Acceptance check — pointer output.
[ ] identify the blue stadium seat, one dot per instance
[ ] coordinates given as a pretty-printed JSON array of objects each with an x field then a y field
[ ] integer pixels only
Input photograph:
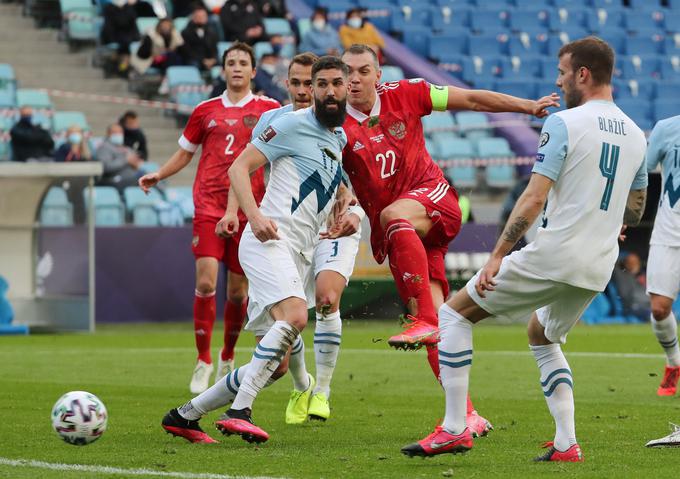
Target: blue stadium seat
[
  {"x": 523, "y": 88},
  {"x": 674, "y": 4},
  {"x": 277, "y": 26},
  {"x": 557, "y": 40},
  {"x": 597, "y": 311},
  {"x": 497, "y": 176},
  {"x": 454, "y": 64},
  {"x": 525, "y": 44},
  {"x": 643, "y": 89},
  {"x": 403, "y": 18},
  {"x": 548, "y": 68},
  {"x": 108, "y": 207},
  {"x": 615, "y": 38},
  {"x": 670, "y": 67},
  {"x": 8, "y": 81},
  {"x": 180, "y": 23},
  {"x": 143, "y": 206},
  {"x": 304, "y": 25},
  {"x": 570, "y": 4},
  {"x": 671, "y": 45},
  {"x": 221, "y": 48},
  {"x": 562, "y": 18},
  {"x": 644, "y": 45},
  {"x": 645, "y": 5},
  {"x": 533, "y": 4},
  {"x": 492, "y": 21},
  {"x": 8, "y": 101},
  {"x": 473, "y": 124},
  {"x": 608, "y": 4},
  {"x": 186, "y": 83},
  {"x": 480, "y": 69},
  {"x": 5, "y": 148},
  {"x": 486, "y": 45},
  {"x": 438, "y": 121},
  {"x": 639, "y": 67},
  {"x": 450, "y": 18},
  {"x": 638, "y": 110},
  {"x": 604, "y": 19},
  {"x": 182, "y": 196},
  {"x": 379, "y": 12},
  {"x": 38, "y": 99},
  {"x": 666, "y": 108},
  {"x": 146, "y": 23},
  {"x": 547, "y": 87},
  {"x": 63, "y": 120},
  {"x": 636, "y": 21},
  {"x": 416, "y": 38},
  {"x": 79, "y": 16},
  {"x": 442, "y": 47},
  {"x": 454, "y": 3},
  {"x": 56, "y": 210},
  {"x": 666, "y": 89},
  {"x": 526, "y": 20},
  {"x": 391, "y": 73},
  {"x": 671, "y": 21},
  {"x": 461, "y": 149},
  {"x": 520, "y": 68}
]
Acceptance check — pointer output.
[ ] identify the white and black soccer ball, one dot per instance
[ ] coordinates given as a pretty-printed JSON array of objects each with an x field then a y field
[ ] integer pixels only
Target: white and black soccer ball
[{"x": 79, "y": 418}]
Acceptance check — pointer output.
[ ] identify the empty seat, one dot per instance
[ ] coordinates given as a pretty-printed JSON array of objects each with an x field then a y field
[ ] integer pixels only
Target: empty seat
[
  {"x": 666, "y": 108},
  {"x": 442, "y": 47},
  {"x": 277, "y": 26},
  {"x": 637, "y": 109},
  {"x": 615, "y": 38},
  {"x": 667, "y": 89},
  {"x": 671, "y": 21},
  {"x": 409, "y": 17},
  {"x": 644, "y": 45},
  {"x": 519, "y": 87},
  {"x": 497, "y": 176},
  {"x": 108, "y": 207},
  {"x": 477, "y": 69},
  {"x": 486, "y": 45},
  {"x": 489, "y": 20},
  {"x": 671, "y": 44},
  {"x": 38, "y": 99},
  {"x": 180, "y": 23},
  {"x": 182, "y": 196},
  {"x": 63, "y": 120},
  {"x": 642, "y": 88},
  {"x": 637, "y": 66},
  {"x": 416, "y": 37},
  {"x": 143, "y": 206},
  {"x": 563, "y": 18},
  {"x": 525, "y": 44},
  {"x": 518, "y": 68},
  {"x": 670, "y": 67},
  {"x": 391, "y": 73},
  {"x": 493, "y": 148},
  {"x": 56, "y": 210},
  {"x": 448, "y": 18},
  {"x": 146, "y": 23},
  {"x": 464, "y": 175},
  {"x": 438, "y": 121},
  {"x": 557, "y": 40},
  {"x": 608, "y": 4},
  {"x": 524, "y": 19},
  {"x": 636, "y": 21},
  {"x": 604, "y": 19},
  {"x": 645, "y": 5},
  {"x": 473, "y": 124}
]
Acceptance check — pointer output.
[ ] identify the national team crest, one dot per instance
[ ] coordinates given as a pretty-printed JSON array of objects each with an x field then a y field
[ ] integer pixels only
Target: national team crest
[
  {"x": 250, "y": 120},
  {"x": 194, "y": 241},
  {"x": 398, "y": 130}
]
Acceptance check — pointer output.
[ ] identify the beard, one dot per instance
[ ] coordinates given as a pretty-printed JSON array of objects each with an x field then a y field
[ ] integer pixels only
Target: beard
[
  {"x": 573, "y": 97},
  {"x": 329, "y": 118}
]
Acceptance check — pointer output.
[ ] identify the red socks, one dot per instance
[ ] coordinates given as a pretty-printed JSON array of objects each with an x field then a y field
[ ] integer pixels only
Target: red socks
[
  {"x": 433, "y": 359},
  {"x": 408, "y": 262},
  {"x": 204, "y": 318},
  {"x": 234, "y": 315}
]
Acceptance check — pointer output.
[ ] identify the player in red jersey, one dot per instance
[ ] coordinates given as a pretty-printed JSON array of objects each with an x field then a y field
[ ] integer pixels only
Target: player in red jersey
[
  {"x": 413, "y": 211},
  {"x": 222, "y": 126}
]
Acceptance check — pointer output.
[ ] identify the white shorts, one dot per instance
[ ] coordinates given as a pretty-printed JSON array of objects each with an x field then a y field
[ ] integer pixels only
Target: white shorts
[
  {"x": 337, "y": 255},
  {"x": 663, "y": 270},
  {"x": 275, "y": 272},
  {"x": 519, "y": 293}
]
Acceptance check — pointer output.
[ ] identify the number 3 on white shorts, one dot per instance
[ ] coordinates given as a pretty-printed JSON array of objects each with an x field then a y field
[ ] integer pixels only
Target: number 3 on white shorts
[{"x": 390, "y": 158}]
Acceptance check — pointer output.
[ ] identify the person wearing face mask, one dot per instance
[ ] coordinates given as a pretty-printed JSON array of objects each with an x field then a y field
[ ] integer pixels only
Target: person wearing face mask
[
  {"x": 121, "y": 164},
  {"x": 358, "y": 30},
  {"x": 29, "y": 140},
  {"x": 200, "y": 41},
  {"x": 266, "y": 81},
  {"x": 321, "y": 39},
  {"x": 75, "y": 148},
  {"x": 134, "y": 136},
  {"x": 120, "y": 27},
  {"x": 158, "y": 48}
]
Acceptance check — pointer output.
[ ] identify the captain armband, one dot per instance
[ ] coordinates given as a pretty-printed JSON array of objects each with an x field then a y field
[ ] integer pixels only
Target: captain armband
[{"x": 439, "y": 96}]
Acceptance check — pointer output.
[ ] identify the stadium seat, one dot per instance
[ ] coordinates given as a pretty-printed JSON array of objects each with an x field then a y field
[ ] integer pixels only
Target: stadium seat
[
  {"x": 442, "y": 47},
  {"x": 277, "y": 26},
  {"x": 517, "y": 68},
  {"x": 608, "y": 4},
  {"x": 674, "y": 4},
  {"x": 409, "y": 17},
  {"x": 5, "y": 148},
  {"x": 666, "y": 108},
  {"x": 262, "y": 48},
  {"x": 391, "y": 73},
  {"x": 180, "y": 23},
  {"x": 645, "y": 5},
  {"x": 604, "y": 19},
  {"x": 56, "y": 210},
  {"x": 644, "y": 45},
  {"x": 642, "y": 88},
  {"x": 143, "y": 206},
  {"x": 146, "y": 23},
  {"x": 8, "y": 81},
  {"x": 438, "y": 121},
  {"x": 486, "y": 45},
  {"x": 416, "y": 38},
  {"x": 8, "y": 101},
  {"x": 449, "y": 18},
  {"x": 480, "y": 70},
  {"x": 221, "y": 48},
  {"x": 667, "y": 89},
  {"x": 79, "y": 17},
  {"x": 637, "y": 21},
  {"x": 519, "y": 87},
  {"x": 549, "y": 68},
  {"x": 636, "y": 66},
  {"x": 562, "y": 18},
  {"x": 491, "y": 21},
  {"x": 182, "y": 196},
  {"x": 493, "y": 148},
  {"x": 63, "y": 120},
  {"x": 473, "y": 124},
  {"x": 557, "y": 40},
  {"x": 638, "y": 110},
  {"x": 671, "y": 21},
  {"x": 37, "y": 99},
  {"x": 615, "y": 38},
  {"x": 186, "y": 85},
  {"x": 597, "y": 310},
  {"x": 529, "y": 20},
  {"x": 497, "y": 176},
  {"x": 459, "y": 148},
  {"x": 670, "y": 67},
  {"x": 671, "y": 44},
  {"x": 525, "y": 45},
  {"x": 304, "y": 25},
  {"x": 108, "y": 207}
]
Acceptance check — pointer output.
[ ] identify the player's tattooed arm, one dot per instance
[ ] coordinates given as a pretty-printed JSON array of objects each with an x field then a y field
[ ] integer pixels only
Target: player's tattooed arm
[
  {"x": 635, "y": 207},
  {"x": 515, "y": 230}
]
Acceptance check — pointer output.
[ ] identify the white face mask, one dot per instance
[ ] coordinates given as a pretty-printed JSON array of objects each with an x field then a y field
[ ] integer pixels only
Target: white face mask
[
  {"x": 319, "y": 24},
  {"x": 269, "y": 68},
  {"x": 116, "y": 139},
  {"x": 354, "y": 22}
]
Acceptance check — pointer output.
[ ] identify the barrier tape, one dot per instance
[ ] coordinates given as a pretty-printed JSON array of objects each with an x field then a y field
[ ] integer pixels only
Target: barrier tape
[
  {"x": 482, "y": 162},
  {"x": 367, "y": 13},
  {"x": 120, "y": 100}
]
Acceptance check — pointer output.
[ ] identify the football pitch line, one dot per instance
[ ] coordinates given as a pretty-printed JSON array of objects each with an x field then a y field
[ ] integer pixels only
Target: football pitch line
[{"x": 57, "y": 466}]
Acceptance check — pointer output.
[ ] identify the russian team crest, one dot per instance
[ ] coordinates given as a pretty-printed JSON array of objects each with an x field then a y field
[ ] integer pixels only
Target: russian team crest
[
  {"x": 398, "y": 130},
  {"x": 250, "y": 120}
]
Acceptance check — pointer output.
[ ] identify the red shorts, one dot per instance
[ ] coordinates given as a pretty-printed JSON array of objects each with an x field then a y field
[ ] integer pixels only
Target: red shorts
[
  {"x": 441, "y": 203},
  {"x": 206, "y": 243}
]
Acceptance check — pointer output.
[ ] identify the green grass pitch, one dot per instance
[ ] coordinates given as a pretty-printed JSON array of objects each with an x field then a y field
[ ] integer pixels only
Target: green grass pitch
[{"x": 382, "y": 399}]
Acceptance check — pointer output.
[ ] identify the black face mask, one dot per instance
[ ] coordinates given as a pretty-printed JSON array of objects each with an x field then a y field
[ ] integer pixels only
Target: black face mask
[{"x": 327, "y": 118}]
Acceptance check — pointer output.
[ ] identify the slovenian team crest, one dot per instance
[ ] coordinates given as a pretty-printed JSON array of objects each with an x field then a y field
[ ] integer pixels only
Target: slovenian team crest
[
  {"x": 250, "y": 120},
  {"x": 398, "y": 130}
]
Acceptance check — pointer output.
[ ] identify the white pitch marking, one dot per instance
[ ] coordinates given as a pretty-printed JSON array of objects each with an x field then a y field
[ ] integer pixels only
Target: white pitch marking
[{"x": 56, "y": 466}]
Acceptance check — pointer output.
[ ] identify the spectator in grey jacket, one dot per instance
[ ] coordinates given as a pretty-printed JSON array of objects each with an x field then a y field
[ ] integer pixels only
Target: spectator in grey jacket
[{"x": 121, "y": 163}]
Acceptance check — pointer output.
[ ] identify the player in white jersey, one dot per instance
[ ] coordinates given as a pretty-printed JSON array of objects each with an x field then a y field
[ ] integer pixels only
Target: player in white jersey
[
  {"x": 663, "y": 264},
  {"x": 333, "y": 265},
  {"x": 276, "y": 250},
  {"x": 590, "y": 168}
]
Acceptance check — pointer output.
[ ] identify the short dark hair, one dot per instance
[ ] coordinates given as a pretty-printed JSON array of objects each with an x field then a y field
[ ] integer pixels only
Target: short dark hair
[
  {"x": 329, "y": 62},
  {"x": 244, "y": 47},
  {"x": 128, "y": 115},
  {"x": 320, "y": 11},
  {"x": 594, "y": 54},
  {"x": 305, "y": 59},
  {"x": 360, "y": 49},
  {"x": 352, "y": 11},
  {"x": 198, "y": 6}
]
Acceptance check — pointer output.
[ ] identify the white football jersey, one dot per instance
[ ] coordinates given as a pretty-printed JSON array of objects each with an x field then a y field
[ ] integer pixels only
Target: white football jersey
[
  {"x": 664, "y": 148},
  {"x": 595, "y": 155}
]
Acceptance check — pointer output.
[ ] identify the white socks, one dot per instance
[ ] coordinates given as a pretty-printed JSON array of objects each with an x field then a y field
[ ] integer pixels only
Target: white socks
[
  {"x": 455, "y": 357},
  {"x": 666, "y": 332},
  {"x": 266, "y": 358},
  {"x": 297, "y": 367},
  {"x": 218, "y": 395},
  {"x": 327, "y": 337},
  {"x": 557, "y": 384}
]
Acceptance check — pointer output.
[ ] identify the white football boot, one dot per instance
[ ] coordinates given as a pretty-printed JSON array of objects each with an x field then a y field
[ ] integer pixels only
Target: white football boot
[{"x": 201, "y": 377}]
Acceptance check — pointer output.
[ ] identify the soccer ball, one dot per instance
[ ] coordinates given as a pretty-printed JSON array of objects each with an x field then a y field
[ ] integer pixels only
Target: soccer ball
[{"x": 79, "y": 417}]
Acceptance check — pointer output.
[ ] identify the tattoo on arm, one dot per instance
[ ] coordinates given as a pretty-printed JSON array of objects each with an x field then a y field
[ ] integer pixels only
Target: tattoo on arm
[
  {"x": 635, "y": 206},
  {"x": 515, "y": 230}
]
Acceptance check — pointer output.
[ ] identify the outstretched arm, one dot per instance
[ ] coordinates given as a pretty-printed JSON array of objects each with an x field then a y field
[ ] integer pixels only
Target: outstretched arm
[
  {"x": 177, "y": 161},
  {"x": 490, "y": 101}
]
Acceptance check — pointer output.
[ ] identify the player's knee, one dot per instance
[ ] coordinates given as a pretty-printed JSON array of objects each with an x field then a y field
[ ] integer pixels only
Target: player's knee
[
  {"x": 237, "y": 295},
  {"x": 389, "y": 214},
  {"x": 298, "y": 319},
  {"x": 205, "y": 286},
  {"x": 660, "y": 311},
  {"x": 326, "y": 300}
]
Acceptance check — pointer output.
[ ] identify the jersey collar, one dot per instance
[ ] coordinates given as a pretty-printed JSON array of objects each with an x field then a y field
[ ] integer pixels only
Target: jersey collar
[
  {"x": 360, "y": 116},
  {"x": 228, "y": 104}
]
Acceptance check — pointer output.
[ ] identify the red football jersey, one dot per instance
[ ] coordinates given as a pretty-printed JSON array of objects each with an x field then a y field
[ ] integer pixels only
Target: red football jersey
[
  {"x": 223, "y": 130},
  {"x": 385, "y": 156}
]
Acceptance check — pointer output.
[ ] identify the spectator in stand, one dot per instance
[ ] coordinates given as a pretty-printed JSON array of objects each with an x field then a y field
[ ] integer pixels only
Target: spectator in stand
[
  {"x": 274, "y": 9},
  {"x": 182, "y": 8},
  {"x": 30, "y": 141},
  {"x": 120, "y": 26},
  {"x": 359, "y": 30},
  {"x": 121, "y": 163},
  {"x": 242, "y": 20},
  {"x": 321, "y": 39},
  {"x": 75, "y": 147},
  {"x": 266, "y": 79},
  {"x": 133, "y": 136},
  {"x": 200, "y": 41},
  {"x": 158, "y": 48}
]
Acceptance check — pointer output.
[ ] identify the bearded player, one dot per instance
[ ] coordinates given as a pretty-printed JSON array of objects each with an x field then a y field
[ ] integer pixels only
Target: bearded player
[
  {"x": 222, "y": 126},
  {"x": 412, "y": 209}
]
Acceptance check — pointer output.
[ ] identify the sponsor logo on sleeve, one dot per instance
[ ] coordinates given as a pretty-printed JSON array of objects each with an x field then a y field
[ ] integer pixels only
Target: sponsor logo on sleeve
[
  {"x": 540, "y": 157},
  {"x": 267, "y": 134},
  {"x": 544, "y": 139}
]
